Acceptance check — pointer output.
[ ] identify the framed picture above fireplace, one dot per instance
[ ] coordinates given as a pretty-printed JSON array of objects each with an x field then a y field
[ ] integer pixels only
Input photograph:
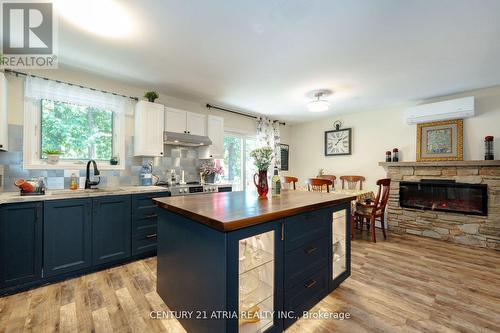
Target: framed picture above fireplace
[{"x": 440, "y": 141}]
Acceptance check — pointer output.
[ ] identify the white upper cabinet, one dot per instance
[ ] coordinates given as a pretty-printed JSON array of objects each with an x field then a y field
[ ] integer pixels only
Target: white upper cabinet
[
  {"x": 3, "y": 113},
  {"x": 215, "y": 131},
  {"x": 180, "y": 121},
  {"x": 175, "y": 120},
  {"x": 195, "y": 123},
  {"x": 148, "y": 136}
]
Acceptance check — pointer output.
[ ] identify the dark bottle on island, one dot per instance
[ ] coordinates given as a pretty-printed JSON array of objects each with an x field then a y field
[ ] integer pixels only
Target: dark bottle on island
[
  {"x": 395, "y": 155},
  {"x": 488, "y": 148}
]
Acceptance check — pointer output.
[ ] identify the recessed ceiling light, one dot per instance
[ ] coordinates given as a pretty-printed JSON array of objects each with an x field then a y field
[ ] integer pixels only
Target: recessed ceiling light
[
  {"x": 319, "y": 104},
  {"x": 102, "y": 17},
  {"x": 176, "y": 141}
]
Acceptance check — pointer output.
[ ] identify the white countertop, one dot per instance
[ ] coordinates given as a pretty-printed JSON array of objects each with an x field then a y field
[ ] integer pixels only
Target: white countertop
[{"x": 13, "y": 197}]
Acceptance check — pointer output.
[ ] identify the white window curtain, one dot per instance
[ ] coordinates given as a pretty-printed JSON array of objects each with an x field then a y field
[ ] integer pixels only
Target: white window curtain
[
  {"x": 268, "y": 135},
  {"x": 37, "y": 88}
]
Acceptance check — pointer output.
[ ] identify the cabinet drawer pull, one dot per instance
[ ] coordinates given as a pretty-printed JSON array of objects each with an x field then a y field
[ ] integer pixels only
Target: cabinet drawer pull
[
  {"x": 151, "y": 236},
  {"x": 311, "y": 250},
  {"x": 311, "y": 284},
  {"x": 149, "y": 216}
]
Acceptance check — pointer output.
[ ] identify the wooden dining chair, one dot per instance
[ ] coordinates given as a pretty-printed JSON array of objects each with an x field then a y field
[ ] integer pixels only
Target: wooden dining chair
[
  {"x": 373, "y": 210},
  {"x": 331, "y": 177},
  {"x": 352, "y": 182},
  {"x": 287, "y": 180},
  {"x": 317, "y": 184}
]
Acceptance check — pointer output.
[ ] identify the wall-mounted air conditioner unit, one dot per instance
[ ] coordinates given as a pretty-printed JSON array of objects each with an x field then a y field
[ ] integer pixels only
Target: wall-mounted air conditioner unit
[{"x": 452, "y": 109}]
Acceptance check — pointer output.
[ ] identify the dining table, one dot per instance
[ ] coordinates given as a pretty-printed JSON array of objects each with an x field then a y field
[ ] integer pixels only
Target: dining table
[{"x": 361, "y": 195}]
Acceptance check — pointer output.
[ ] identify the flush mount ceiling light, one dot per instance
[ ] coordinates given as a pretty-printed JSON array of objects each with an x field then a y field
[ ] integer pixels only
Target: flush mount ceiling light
[
  {"x": 320, "y": 104},
  {"x": 102, "y": 17}
]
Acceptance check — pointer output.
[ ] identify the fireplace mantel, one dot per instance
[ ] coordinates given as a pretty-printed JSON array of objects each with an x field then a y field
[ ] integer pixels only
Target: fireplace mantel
[
  {"x": 441, "y": 163},
  {"x": 483, "y": 231}
]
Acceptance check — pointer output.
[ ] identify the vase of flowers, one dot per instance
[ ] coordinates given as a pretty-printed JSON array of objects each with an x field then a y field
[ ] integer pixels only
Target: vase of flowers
[
  {"x": 262, "y": 158},
  {"x": 209, "y": 169}
]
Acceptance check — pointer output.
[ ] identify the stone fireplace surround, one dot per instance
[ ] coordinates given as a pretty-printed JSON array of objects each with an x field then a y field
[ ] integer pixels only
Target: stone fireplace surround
[{"x": 480, "y": 231}]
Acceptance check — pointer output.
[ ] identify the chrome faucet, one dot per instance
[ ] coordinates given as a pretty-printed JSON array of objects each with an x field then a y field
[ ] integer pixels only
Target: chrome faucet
[{"x": 88, "y": 182}]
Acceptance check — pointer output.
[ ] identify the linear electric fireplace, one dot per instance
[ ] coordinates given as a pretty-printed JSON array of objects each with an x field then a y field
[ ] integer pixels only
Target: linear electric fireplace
[{"x": 445, "y": 195}]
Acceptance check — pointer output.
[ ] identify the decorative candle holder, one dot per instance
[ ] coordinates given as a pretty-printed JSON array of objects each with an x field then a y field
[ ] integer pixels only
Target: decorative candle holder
[{"x": 488, "y": 148}]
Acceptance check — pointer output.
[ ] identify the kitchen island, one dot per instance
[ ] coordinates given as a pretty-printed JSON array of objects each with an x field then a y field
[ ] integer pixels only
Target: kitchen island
[{"x": 230, "y": 262}]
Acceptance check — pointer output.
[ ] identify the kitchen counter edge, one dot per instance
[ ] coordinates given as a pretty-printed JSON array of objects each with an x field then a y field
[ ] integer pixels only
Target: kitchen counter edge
[{"x": 14, "y": 197}]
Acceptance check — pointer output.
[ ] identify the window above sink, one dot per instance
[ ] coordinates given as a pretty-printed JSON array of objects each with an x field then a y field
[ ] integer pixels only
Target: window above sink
[
  {"x": 80, "y": 123},
  {"x": 80, "y": 132}
]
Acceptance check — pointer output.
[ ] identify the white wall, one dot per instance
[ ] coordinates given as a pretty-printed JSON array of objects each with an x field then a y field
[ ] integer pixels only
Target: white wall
[
  {"x": 15, "y": 98},
  {"x": 376, "y": 131}
]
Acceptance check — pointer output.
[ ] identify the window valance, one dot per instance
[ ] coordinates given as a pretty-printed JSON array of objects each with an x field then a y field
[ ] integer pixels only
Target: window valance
[{"x": 38, "y": 88}]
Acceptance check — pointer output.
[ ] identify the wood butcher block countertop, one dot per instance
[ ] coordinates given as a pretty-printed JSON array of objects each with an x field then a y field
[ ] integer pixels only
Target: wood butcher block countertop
[{"x": 234, "y": 210}]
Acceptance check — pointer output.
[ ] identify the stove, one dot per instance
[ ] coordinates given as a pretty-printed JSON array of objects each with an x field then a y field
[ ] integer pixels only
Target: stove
[{"x": 197, "y": 188}]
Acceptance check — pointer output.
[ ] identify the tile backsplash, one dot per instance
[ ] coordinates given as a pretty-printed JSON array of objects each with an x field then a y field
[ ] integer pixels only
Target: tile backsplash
[{"x": 177, "y": 158}]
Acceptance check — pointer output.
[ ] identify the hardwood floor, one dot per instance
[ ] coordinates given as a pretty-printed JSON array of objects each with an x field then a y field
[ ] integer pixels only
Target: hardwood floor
[{"x": 404, "y": 284}]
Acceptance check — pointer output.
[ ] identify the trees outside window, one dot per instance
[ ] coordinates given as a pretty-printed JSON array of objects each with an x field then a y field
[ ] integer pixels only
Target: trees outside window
[{"x": 78, "y": 132}]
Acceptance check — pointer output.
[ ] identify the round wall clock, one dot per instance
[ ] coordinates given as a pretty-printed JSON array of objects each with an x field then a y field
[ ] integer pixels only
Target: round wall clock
[{"x": 338, "y": 142}]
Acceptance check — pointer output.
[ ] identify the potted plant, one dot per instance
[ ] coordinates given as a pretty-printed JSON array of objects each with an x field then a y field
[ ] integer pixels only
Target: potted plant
[
  {"x": 151, "y": 96},
  {"x": 52, "y": 155},
  {"x": 262, "y": 158},
  {"x": 113, "y": 160},
  {"x": 209, "y": 169}
]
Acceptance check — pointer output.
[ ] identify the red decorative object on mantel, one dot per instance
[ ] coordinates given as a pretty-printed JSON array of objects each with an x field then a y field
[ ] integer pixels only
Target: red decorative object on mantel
[{"x": 261, "y": 183}]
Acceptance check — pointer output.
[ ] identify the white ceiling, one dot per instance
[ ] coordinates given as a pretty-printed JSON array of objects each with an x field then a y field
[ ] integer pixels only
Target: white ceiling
[{"x": 265, "y": 56}]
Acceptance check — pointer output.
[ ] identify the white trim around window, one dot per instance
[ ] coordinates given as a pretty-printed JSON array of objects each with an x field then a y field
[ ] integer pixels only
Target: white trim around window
[{"x": 31, "y": 142}]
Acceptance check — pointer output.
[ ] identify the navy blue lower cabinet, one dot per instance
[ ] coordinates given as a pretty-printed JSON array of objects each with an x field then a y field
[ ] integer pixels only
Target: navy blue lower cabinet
[
  {"x": 307, "y": 242},
  {"x": 111, "y": 229},
  {"x": 144, "y": 223},
  {"x": 143, "y": 206},
  {"x": 43, "y": 242},
  {"x": 144, "y": 243},
  {"x": 220, "y": 276},
  {"x": 20, "y": 243},
  {"x": 67, "y": 236},
  {"x": 277, "y": 269},
  {"x": 192, "y": 271}
]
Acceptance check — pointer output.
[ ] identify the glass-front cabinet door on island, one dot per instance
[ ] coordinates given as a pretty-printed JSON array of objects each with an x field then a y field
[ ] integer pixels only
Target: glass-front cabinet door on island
[
  {"x": 340, "y": 258},
  {"x": 257, "y": 292}
]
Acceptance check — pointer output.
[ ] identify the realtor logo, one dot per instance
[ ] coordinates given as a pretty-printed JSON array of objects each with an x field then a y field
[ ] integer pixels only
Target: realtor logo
[{"x": 28, "y": 35}]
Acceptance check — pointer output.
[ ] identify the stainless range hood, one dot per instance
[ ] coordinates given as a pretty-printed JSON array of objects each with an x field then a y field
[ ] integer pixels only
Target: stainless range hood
[{"x": 183, "y": 139}]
